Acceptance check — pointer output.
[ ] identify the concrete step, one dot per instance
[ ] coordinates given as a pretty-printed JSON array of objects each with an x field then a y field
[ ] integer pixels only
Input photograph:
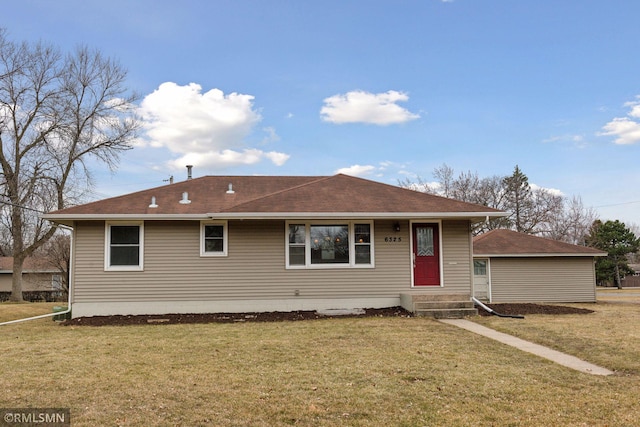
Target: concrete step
[
  {"x": 440, "y": 297},
  {"x": 447, "y": 313},
  {"x": 445, "y": 305},
  {"x": 439, "y": 305}
]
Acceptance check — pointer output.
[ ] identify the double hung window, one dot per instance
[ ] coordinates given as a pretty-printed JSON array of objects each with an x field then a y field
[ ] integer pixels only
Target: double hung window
[
  {"x": 213, "y": 239},
  {"x": 336, "y": 244},
  {"x": 124, "y": 246}
]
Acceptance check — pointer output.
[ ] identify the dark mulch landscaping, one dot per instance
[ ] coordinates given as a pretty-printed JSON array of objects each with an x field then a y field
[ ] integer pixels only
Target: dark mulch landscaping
[
  {"x": 227, "y": 317},
  {"x": 301, "y": 315},
  {"x": 526, "y": 308}
]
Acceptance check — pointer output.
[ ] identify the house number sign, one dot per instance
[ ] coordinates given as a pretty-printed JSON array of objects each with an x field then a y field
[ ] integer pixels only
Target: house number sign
[{"x": 393, "y": 239}]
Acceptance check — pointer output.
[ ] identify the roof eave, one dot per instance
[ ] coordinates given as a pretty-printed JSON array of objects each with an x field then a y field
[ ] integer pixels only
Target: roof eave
[
  {"x": 69, "y": 219},
  {"x": 477, "y": 216}
]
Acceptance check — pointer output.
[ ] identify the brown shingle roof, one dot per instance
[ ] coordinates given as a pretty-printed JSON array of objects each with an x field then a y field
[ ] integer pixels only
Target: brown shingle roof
[
  {"x": 31, "y": 265},
  {"x": 511, "y": 243},
  {"x": 274, "y": 195}
]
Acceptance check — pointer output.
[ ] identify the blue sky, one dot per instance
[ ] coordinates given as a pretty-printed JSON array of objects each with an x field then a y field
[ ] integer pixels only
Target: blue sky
[{"x": 386, "y": 90}]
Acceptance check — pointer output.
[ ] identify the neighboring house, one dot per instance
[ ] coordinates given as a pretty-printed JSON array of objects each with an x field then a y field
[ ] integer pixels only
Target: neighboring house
[
  {"x": 517, "y": 267},
  {"x": 39, "y": 277},
  {"x": 266, "y": 243}
]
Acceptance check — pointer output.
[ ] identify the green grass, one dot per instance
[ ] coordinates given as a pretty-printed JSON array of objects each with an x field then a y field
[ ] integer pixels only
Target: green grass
[
  {"x": 14, "y": 311},
  {"x": 360, "y": 372},
  {"x": 609, "y": 337}
]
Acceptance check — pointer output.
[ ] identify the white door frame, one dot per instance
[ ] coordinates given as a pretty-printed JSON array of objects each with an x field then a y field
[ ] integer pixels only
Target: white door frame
[{"x": 488, "y": 275}]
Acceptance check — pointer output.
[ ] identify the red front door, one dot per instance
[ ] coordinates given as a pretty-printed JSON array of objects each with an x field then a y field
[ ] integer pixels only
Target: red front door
[{"x": 426, "y": 255}]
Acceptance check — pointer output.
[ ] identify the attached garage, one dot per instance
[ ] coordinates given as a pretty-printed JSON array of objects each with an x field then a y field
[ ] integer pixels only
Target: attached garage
[{"x": 517, "y": 267}]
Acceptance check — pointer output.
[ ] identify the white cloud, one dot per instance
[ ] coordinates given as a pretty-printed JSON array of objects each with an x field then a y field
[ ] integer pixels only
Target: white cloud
[
  {"x": 371, "y": 170},
  {"x": 228, "y": 158},
  {"x": 553, "y": 191},
  {"x": 278, "y": 159},
  {"x": 626, "y": 129},
  {"x": 635, "y": 107},
  {"x": 577, "y": 141},
  {"x": 271, "y": 136},
  {"x": 204, "y": 129},
  {"x": 357, "y": 170},
  {"x": 365, "y": 107}
]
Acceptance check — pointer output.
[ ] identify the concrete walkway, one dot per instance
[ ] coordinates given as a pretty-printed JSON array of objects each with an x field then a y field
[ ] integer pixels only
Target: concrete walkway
[{"x": 553, "y": 355}]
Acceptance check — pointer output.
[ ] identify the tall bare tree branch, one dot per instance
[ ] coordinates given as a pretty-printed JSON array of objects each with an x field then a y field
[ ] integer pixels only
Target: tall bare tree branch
[{"x": 56, "y": 112}]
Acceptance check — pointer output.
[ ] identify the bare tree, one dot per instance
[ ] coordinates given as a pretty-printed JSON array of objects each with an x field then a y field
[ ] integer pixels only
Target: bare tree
[
  {"x": 531, "y": 210},
  {"x": 57, "y": 252},
  {"x": 444, "y": 175},
  {"x": 491, "y": 193},
  {"x": 572, "y": 225},
  {"x": 418, "y": 185},
  {"x": 57, "y": 112}
]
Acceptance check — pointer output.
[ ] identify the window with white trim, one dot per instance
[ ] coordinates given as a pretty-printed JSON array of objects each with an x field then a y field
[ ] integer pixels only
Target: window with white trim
[
  {"x": 124, "y": 246},
  {"x": 329, "y": 244},
  {"x": 480, "y": 267},
  {"x": 213, "y": 238}
]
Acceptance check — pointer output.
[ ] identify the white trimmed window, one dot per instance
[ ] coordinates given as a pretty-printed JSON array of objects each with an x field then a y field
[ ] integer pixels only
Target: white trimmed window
[
  {"x": 213, "y": 238},
  {"x": 337, "y": 244},
  {"x": 124, "y": 246}
]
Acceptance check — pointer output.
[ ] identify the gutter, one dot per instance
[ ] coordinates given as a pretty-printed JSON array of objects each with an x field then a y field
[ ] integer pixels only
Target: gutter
[
  {"x": 62, "y": 219},
  {"x": 490, "y": 310},
  {"x": 57, "y": 313}
]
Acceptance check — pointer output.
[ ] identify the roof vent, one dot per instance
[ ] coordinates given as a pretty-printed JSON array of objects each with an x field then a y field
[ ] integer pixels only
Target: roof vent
[
  {"x": 230, "y": 190},
  {"x": 185, "y": 199},
  {"x": 189, "y": 168},
  {"x": 153, "y": 202}
]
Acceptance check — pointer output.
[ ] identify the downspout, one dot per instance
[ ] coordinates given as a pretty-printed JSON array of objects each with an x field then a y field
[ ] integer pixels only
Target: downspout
[
  {"x": 57, "y": 313},
  {"x": 490, "y": 310}
]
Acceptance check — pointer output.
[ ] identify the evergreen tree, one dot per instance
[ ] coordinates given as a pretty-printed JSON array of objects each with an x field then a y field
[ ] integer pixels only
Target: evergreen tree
[
  {"x": 618, "y": 241},
  {"x": 518, "y": 196}
]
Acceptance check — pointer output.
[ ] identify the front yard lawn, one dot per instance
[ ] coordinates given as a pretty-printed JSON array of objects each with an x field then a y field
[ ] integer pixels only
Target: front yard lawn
[{"x": 355, "y": 371}]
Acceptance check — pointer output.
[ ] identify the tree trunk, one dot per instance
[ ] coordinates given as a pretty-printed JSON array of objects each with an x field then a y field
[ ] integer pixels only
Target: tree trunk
[
  {"x": 618, "y": 280},
  {"x": 16, "y": 281}
]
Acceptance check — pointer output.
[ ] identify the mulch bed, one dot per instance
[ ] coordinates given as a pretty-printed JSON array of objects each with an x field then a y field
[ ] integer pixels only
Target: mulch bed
[
  {"x": 527, "y": 308},
  {"x": 522, "y": 309},
  {"x": 275, "y": 316}
]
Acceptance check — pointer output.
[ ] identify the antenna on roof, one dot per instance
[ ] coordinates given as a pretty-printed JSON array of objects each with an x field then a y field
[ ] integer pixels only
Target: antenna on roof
[
  {"x": 170, "y": 180},
  {"x": 189, "y": 167}
]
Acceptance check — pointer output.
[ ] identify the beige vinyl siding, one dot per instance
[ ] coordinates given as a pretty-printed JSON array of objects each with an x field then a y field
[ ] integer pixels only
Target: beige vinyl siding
[
  {"x": 254, "y": 268},
  {"x": 547, "y": 279},
  {"x": 30, "y": 282},
  {"x": 5, "y": 282},
  {"x": 456, "y": 256}
]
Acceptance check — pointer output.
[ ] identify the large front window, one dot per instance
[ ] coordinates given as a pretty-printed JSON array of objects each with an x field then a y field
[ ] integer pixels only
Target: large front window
[
  {"x": 329, "y": 244},
  {"x": 124, "y": 244}
]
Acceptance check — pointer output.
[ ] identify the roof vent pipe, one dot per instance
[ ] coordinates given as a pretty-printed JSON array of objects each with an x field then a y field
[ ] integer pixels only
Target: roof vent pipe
[
  {"x": 153, "y": 202},
  {"x": 189, "y": 167},
  {"x": 230, "y": 190},
  {"x": 185, "y": 199}
]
